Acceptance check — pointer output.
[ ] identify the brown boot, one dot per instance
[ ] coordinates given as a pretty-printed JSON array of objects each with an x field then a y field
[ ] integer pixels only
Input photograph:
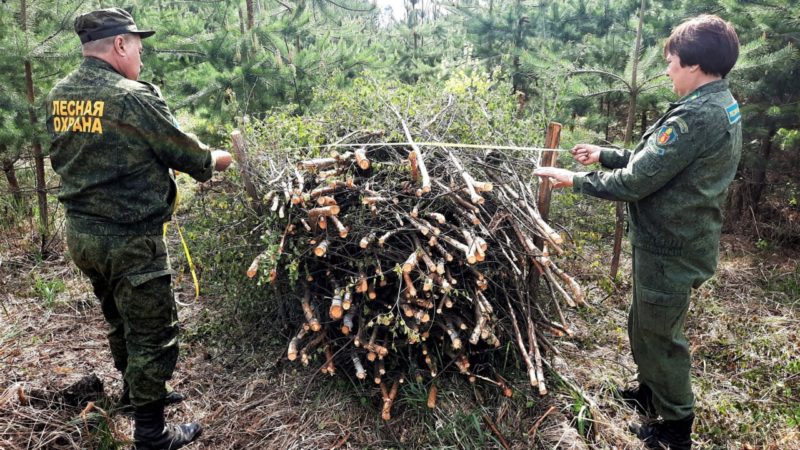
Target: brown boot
[
  {"x": 152, "y": 432},
  {"x": 666, "y": 434}
]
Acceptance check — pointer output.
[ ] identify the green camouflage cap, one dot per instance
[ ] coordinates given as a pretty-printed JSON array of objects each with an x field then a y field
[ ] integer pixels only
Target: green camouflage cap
[{"x": 104, "y": 23}]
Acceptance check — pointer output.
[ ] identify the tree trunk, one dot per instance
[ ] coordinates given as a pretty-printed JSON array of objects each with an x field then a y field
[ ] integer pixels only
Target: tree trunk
[
  {"x": 734, "y": 204},
  {"x": 634, "y": 87},
  {"x": 631, "y": 115},
  {"x": 634, "y": 93},
  {"x": 608, "y": 116},
  {"x": 644, "y": 121},
  {"x": 619, "y": 207},
  {"x": 250, "y": 13},
  {"x": 38, "y": 156},
  {"x": 11, "y": 177},
  {"x": 241, "y": 20},
  {"x": 759, "y": 177},
  {"x": 516, "y": 78},
  {"x": 618, "y": 232}
]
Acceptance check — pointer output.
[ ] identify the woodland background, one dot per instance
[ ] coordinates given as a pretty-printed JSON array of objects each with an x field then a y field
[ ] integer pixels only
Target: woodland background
[{"x": 285, "y": 72}]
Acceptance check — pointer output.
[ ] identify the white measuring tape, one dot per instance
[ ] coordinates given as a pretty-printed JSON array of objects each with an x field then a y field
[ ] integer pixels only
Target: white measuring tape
[{"x": 435, "y": 144}]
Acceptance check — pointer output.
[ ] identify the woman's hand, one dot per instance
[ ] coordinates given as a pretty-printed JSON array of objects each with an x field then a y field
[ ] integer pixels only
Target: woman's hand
[
  {"x": 221, "y": 159},
  {"x": 586, "y": 153},
  {"x": 562, "y": 177}
]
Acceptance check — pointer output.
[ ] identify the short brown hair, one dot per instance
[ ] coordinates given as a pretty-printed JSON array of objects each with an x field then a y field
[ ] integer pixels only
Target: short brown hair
[{"x": 706, "y": 40}]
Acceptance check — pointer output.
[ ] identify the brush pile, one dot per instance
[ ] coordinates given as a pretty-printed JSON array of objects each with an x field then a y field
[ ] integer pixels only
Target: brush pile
[{"x": 408, "y": 257}]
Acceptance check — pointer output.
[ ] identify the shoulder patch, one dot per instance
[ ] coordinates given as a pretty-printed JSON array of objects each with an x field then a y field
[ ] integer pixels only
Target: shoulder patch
[
  {"x": 734, "y": 115},
  {"x": 682, "y": 125},
  {"x": 666, "y": 135}
]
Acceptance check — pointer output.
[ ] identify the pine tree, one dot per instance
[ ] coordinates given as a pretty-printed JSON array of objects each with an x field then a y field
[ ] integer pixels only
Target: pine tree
[
  {"x": 767, "y": 84},
  {"x": 33, "y": 43},
  {"x": 641, "y": 74}
]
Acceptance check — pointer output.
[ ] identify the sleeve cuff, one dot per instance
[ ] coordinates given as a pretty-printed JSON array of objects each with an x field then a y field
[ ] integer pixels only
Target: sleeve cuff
[
  {"x": 604, "y": 157},
  {"x": 613, "y": 159},
  {"x": 577, "y": 181}
]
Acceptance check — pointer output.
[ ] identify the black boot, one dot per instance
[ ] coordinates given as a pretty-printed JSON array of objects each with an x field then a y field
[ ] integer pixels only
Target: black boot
[
  {"x": 152, "y": 432},
  {"x": 666, "y": 434},
  {"x": 639, "y": 398}
]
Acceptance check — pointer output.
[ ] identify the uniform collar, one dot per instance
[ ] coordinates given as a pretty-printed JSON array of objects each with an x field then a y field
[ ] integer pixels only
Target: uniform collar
[
  {"x": 708, "y": 88},
  {"x": 92, "y": 62}
]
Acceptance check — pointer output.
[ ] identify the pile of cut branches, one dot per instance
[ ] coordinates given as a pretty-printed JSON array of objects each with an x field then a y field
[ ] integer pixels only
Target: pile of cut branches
[{"x": 412, "y": 258}]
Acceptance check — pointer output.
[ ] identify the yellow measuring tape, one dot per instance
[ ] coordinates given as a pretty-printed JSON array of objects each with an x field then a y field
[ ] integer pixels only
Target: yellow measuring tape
[{"x": 183, "y": 243}]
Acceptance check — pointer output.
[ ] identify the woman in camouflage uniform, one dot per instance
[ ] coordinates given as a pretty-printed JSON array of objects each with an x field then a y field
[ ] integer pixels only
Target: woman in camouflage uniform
[{"x": 674, "y": 183}]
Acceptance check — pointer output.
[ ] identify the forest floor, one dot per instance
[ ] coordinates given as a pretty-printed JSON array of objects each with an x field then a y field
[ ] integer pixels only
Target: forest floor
[{"x": 743, "y": 326}]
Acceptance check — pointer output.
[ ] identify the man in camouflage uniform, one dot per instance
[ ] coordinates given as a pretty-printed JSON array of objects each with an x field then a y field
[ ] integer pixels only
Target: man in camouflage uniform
[
  {"x": 675, "y": 183},
  {"x": 115, "y": 144}
]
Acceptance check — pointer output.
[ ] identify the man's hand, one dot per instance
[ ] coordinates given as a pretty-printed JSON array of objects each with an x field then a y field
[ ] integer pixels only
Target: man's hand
[
  {"x": 561, "y": 177},
  {"x": 586, "y": 153},
  {"x": 221, "y": 158}
]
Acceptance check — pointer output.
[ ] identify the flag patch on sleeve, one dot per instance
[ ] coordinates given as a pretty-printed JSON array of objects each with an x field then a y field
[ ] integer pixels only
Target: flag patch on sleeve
[
  {"x": 734, "y": 115},
  {"x": 666, "y": 135}
]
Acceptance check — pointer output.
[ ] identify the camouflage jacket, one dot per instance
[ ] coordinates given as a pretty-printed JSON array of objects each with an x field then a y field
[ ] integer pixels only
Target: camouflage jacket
[
  {"x": 114, "y": 142},
  {"x": 676, "y": 178}
]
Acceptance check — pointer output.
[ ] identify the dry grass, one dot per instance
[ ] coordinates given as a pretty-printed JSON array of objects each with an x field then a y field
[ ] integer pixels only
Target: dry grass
[
  {"x": 743, "y": 331},
  {"x": 743, "y": 328}
]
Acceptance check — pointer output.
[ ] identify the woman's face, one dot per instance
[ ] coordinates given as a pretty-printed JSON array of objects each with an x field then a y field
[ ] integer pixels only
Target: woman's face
[{"x": 682, "y": 77}]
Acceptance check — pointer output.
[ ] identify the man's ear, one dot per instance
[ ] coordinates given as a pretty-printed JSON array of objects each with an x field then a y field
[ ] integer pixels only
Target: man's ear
[{"x": 120, "y": 45}]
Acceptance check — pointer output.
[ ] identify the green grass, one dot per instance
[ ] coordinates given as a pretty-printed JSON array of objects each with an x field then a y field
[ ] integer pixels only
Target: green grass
[{"x": 47, "y": 290}]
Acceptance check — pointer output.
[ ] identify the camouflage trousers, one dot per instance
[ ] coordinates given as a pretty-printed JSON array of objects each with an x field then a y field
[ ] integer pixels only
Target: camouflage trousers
[
  {"x": 131, "y": 277},
  {"x": 662, "y": 287}
]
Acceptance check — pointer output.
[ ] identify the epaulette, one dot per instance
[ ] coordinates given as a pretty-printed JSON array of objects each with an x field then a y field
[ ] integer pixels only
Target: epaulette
[
  {"x": 695, "y": 101},
  {"x": 153, "y": 88}
]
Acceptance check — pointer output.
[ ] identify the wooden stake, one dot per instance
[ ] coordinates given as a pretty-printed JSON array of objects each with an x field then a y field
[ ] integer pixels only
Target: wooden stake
[
  {"x": 321, "y": 249},
  {"x": 323, "y": 211},
  {"x": 328, "y": 367},
  {"x": 389, "y": 397},
  {"x": 410, "y": 262},
  {"x": 347, "y": 322},
  {"x": 294, "y": 343},
  {"x": 532, "y": 377},
  {"x": 240, "y": 150},
  {"x": 339, "y": 227},
  {"x": 455, "y": 341},
  {"x": 366, "y": 240},
  {"x": 347, "y": 300},
  {"x": 420, "y": 161},
  {"x": 336, "y": 311},
  {"x": 432, "y": 396},
  {"x": 360, "y": 372},
  {"x": 361, "y": 284},
  {"x": 361, "y": 158},
  {"x": 308, "y": 310}
]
